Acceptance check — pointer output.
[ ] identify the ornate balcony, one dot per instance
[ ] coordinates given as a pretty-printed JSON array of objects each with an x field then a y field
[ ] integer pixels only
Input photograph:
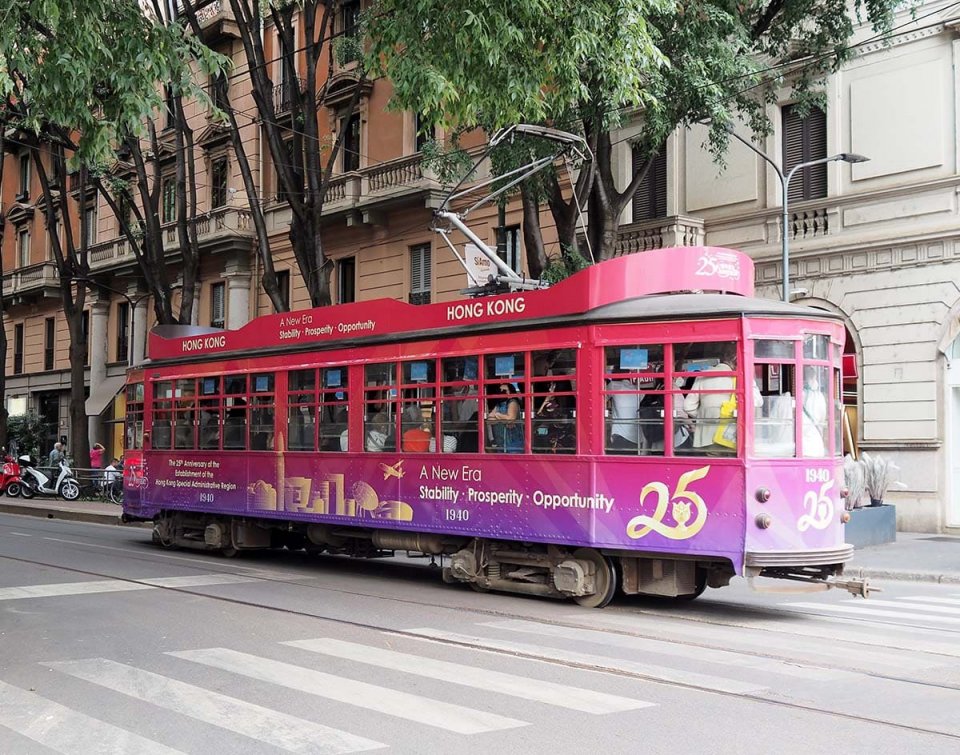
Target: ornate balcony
[
  {"x": 676, "y": 230},
  {"x": 217, "y": 22},
  {"x": 33, "y": 282}
]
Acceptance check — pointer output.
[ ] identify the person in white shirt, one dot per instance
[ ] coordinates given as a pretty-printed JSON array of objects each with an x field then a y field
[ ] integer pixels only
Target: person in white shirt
[
  {"x": 706, "y": 406},
  {"x": 814, "y": 428},
  {"x": 624, "y": 427}
]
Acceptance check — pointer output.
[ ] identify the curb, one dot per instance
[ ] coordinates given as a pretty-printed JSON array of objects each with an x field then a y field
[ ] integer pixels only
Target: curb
[
  {"x": 903, "y": 575},
  {"x": 92, "y": 517}
]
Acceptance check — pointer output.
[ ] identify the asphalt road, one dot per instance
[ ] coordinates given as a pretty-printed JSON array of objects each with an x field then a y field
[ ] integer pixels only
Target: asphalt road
[{"x": 109, "y": 644}]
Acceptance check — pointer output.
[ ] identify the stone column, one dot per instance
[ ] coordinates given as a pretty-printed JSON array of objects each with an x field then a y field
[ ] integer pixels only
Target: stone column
[
  {"x": 138, "y": 324},
  {"x": 237, "y": 275},
  {"x": 99, "y": 316}
]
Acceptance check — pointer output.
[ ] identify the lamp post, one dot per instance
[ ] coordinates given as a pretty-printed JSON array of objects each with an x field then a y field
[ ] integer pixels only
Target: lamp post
[{"x": 846, "y": 157}]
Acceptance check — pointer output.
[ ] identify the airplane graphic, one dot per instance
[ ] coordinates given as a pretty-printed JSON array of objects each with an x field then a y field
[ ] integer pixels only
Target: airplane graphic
[{"x": 393, "y": 471}]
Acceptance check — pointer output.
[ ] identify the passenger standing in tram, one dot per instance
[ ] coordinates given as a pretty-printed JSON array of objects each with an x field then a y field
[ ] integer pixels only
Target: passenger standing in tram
[
  {"x": 682, "y": 426},
  {"x": 554, "y": 425},
  {"x": 624, "y": 409},
  {"x": 506, "y": 422},
  {"x": 706, "y": 407},
  {"x": 814, "y": 414}
]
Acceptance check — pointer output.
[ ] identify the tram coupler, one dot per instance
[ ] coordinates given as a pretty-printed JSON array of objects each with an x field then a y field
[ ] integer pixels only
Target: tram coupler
[{"x": 860, "y": 586}]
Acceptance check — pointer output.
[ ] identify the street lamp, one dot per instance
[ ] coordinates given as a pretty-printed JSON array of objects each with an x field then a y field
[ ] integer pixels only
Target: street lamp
[{"x": 846, "y": 157}]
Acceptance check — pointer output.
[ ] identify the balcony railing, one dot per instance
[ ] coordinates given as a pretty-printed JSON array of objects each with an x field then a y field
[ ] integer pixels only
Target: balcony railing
[
  {"x": 35, "y": 279},
  {"x": 676, "y": 230},
  {"x": 281, "y": 97},
  {"x": 394, "y": 174}
]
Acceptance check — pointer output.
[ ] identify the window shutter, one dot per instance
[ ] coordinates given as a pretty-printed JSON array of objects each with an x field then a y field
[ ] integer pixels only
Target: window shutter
[
  {"x": 650, "y": 201},
  {"x": 217, "y": 305},
  {"x": 805, "y": 139},
  {"x": 420, "y": 274}
]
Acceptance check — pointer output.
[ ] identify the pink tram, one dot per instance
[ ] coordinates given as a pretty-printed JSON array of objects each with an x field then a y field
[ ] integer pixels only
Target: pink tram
[{"x": 644, "y": 426}]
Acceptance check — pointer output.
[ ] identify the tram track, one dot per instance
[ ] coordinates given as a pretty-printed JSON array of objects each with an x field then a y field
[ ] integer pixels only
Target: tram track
[{"x": 759, "y": 697}]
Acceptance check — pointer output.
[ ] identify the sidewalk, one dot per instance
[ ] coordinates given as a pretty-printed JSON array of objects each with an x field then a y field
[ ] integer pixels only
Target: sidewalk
[{"x": 915, "y": 557}]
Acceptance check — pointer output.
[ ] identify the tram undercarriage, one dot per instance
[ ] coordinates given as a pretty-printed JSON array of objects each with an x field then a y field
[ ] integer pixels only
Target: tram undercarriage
[{"x": 589, "y": 576}]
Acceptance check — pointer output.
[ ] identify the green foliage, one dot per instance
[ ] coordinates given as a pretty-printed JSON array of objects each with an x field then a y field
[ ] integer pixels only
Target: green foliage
[
  {"x": 28, "y": 431},
  {"x": 493, "y": 64},
  {"x": 568, "y": 262},
  {"x": 448, "y": 161},
  {"x": 94, "y": 67}
]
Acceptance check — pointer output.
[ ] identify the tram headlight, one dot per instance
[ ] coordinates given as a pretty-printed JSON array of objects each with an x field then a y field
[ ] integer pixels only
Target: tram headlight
[
  {"x": 845, "y": 517},
  {"x": 763, "y": 494},
  {"x": 844, "y": 492},
  {"x": 763, "y": 521}
]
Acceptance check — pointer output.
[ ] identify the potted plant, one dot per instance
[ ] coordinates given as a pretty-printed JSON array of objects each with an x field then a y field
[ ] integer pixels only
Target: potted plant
[
  {"x": 879, "y": 475},
  {"x": 854, "y": 478}
]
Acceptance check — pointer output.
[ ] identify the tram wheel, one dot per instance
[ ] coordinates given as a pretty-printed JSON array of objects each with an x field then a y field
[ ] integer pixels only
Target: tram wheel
[
  {"x": 229, "y": 552},
  {"x": 606, "y": 578}
]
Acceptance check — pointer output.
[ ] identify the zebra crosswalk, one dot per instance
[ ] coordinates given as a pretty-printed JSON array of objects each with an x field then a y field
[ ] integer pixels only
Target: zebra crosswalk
[{"x": 474, "y": 678}]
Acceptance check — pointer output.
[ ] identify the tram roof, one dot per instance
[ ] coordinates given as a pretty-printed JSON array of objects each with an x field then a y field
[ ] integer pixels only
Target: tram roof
[{"x": 633, "y": 287}]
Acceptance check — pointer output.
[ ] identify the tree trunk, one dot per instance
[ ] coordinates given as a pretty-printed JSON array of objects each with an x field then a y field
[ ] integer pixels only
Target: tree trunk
[
  {"x": 537, "y": 260},
  {"x": 3, "y": 319}
]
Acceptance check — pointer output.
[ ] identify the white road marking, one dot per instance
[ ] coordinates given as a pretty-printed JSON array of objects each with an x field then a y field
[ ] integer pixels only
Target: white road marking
[
  {"x": 370, "y": 696},
  {"x": 255, "y": 721},
  {"x": 62, "y": 589},
  {"x": 65, "y": 730},
  {"x": 661, "y": 647},
  {"x": 526, "y": 688},
  {"x": 895, "y": 604},
  {"x": 928, "y": 599},
  {"x": 596, "y": 662},
  {"x": 867, "y": 612},
  {"x": 20, "y": 534}
]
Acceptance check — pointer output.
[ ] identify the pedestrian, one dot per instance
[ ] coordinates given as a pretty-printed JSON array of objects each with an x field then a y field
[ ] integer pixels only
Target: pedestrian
[
  {"x": 57, "y": 455},
  {"x": 96, "y": 456}
]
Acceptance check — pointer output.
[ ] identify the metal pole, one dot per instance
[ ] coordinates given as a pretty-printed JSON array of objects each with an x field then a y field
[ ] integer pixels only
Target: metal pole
[{"x": 785, "y": 240}]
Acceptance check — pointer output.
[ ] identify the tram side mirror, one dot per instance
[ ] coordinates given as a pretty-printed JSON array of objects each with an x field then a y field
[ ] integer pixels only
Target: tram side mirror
[{"x": 146, "y": 440}]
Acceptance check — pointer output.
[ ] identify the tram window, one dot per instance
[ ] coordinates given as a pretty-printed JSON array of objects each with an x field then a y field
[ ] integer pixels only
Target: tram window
[
  {"x": 333, "y": 412},
  {"x": 134, "y": 416},
  {"x": 234, "y": 423},
  {"x": 814, "y": 437},
  {"x": 380, "y": 407},
  {"x": 634, "y": 399},
  {"x": 163, "y": 390},
  {"x": 262, "y": 383},
  {"x": 838, "y": 414},
  {"x": 773, "y": 349},
  {"x": 261, "y": 423},
  {"x": 816, "y": 347},
  {"x": 302, "y": 410},
  {"x": 554, "y": 401},
  {"x": 184, "y": 433},
  {"x": 459, "y": 407},
  {"x": 210, "y": 424},
  {"x": 502, "y": 366},
  {"x": 774, "y": 419},
  {"x": 708, "y": 407},
  {"x": 162, "y": 426},
  {"x": 235, "y": 385}
]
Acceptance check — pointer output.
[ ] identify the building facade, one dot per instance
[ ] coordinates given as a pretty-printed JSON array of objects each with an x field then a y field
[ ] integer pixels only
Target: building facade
[{"x": 876, "y": 242}]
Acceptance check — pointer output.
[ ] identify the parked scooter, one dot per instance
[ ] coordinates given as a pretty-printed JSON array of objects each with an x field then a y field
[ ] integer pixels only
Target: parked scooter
[
  {"x": 34, "y": 482},
  {"x": 10, "y": 477}
]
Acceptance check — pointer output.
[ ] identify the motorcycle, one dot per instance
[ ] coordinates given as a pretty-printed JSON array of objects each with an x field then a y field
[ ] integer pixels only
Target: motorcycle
[
  {"x": 34, "y": 482},
  {"x": 10, "y": 482}
]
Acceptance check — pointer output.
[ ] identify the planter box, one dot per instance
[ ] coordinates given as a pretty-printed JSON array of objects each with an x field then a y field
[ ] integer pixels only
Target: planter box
[{"x": 872, "y": 525}]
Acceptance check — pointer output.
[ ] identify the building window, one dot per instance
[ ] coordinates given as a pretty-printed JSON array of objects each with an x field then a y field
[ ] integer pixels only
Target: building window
[
  {"x": 123, "y": 332},
  {"x": 90, "y": 215},
  {"x": 219, "y": 87},
  {"x": 283, "y": 283},
  {"x": 350, "y": 17},
  {"x": 23, "y": 186},
  {"x": 511, "y": 251},
  {"x": 805, "y": 139},
  {"x": 169, "y": 108},
  {"x": 422, "y": 133},
  {"x": 218, "y": 305},
  {"x": 23, "y": 247},
  {"x": 218, "y": 182},
  {"x": 346, "y": 280},
  {"x": 350, "y": 148},
  {"x": 420, "y": 274},
  {"x": 650, "y": 201},
  {"x": 18, "y": 349},
  {"x": 85, "y": 335},
  {"x": 168, "y": 212},
  {"x": 49, "y": 330}
]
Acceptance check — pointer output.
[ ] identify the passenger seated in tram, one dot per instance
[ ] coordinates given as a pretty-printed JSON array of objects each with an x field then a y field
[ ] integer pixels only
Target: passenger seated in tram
[
  {"x": 505, "y": 421},
  {"x": 554, "y": 430},
  {"x": 624, "y": 428},
  {"x": 418, "y": 438}
]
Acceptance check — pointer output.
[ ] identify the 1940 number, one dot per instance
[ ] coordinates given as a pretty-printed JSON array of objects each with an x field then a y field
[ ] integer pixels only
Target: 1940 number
[{"x": 818, "y": 475}]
